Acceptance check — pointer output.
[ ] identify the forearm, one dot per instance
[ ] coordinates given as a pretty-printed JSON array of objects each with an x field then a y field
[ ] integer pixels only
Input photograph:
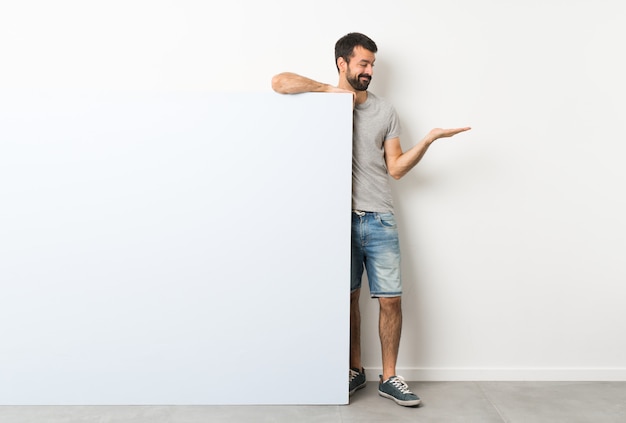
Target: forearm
[
  {"x": 399, "y": 163},
  {"x": 291, "y": 83},
  {"x": 402, "y": 164}
]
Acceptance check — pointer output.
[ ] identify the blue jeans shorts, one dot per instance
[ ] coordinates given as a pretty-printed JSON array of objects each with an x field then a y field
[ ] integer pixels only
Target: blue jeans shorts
[{"x": 376, "y": 249}]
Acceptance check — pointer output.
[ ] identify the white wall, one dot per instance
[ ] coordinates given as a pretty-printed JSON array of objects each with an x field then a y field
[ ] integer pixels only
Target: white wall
[{"x": 513, "y": 234}]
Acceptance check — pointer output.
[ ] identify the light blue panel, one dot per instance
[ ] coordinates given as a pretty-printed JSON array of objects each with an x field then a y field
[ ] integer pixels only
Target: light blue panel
[{"x": 175, "y": 248}]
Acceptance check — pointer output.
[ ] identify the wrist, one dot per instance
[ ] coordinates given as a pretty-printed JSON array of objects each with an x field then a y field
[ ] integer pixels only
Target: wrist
[
  {"x": 327, "y": 88},
  {"x": 428, "y": 140}
]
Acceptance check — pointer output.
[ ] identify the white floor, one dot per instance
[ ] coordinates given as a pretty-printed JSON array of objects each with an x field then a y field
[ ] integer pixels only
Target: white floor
[{"x": 484, "y": 402}]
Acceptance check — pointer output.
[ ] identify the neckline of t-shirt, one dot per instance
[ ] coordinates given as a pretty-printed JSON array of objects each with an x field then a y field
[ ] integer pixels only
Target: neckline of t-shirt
[{"x": 368, "y": 101}]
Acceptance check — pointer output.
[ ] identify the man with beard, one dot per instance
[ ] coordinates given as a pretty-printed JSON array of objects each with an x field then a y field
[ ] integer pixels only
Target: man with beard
[{"x": 375, "y": 247}]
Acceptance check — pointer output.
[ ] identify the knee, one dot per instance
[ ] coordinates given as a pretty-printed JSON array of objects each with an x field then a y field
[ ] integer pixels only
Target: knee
[
  {"x": 390, "y": 303},
  {"x": 354, "y": 296}
]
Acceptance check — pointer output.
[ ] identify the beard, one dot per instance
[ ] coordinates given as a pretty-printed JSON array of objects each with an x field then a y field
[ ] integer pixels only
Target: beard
[{"x": 359, "y": 84}]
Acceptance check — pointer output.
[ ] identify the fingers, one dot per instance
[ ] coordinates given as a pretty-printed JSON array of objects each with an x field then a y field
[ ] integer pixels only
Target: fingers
[
  {"x": 459, "y": 130},
  {"x": 454, "y": 131}
]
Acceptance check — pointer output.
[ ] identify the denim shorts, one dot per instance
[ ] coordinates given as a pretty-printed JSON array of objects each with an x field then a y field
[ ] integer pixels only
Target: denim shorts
[{"x": 376, "y": 249}]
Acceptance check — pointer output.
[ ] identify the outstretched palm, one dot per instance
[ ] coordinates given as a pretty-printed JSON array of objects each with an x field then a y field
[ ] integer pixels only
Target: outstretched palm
[{"x": 436, "y": 133}]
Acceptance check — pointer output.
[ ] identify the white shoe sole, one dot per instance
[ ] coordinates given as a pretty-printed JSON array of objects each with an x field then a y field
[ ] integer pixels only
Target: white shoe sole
[{"x": 410, "y": 403}]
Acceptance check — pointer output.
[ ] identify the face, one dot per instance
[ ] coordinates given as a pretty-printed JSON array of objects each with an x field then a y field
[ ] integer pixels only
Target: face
[{"x": 360, "y": 69}]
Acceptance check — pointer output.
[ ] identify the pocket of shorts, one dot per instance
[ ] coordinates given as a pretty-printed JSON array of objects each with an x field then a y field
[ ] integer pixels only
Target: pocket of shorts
[{"x": 387, "y": 220}]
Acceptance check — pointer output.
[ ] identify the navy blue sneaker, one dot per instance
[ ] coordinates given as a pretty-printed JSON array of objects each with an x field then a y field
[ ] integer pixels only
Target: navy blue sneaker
[
  {"x": 395, "y": 388},
  {"x": 357, "y": 380}
]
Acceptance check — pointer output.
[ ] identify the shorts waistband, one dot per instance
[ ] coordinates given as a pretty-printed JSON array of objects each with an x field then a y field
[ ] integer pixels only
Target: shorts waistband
[{"x": 363, "y": 212}]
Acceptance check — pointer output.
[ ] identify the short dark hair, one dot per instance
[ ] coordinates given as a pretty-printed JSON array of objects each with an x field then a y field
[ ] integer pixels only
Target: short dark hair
[{"x": 344, "y": 47}]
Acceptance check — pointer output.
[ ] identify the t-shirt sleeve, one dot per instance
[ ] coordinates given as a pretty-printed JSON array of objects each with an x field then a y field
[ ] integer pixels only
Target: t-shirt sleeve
[{"x": 395, "y": 129}]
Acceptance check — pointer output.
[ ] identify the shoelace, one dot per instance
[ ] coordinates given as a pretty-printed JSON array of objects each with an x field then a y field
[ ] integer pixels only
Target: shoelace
[
  {"x": 353, "y": 374},
  {"x": 398, "y": 382}
]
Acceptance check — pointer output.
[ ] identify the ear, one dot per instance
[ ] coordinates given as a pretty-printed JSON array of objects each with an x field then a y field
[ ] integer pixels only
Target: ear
[{"x": 342, "y": 64}]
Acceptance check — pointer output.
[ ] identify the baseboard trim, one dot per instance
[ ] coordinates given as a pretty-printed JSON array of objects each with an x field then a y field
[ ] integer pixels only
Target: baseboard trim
[{"x": 506, "y": 374}]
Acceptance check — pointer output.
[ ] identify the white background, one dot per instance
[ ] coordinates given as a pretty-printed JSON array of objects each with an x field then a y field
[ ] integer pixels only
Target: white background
[{"x": 513, "y": 234}]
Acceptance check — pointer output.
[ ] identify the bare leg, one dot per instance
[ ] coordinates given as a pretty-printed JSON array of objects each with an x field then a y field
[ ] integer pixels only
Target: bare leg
[
  {"x": 390, "y": 328},
  {"x": 355, "y": 331}
]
